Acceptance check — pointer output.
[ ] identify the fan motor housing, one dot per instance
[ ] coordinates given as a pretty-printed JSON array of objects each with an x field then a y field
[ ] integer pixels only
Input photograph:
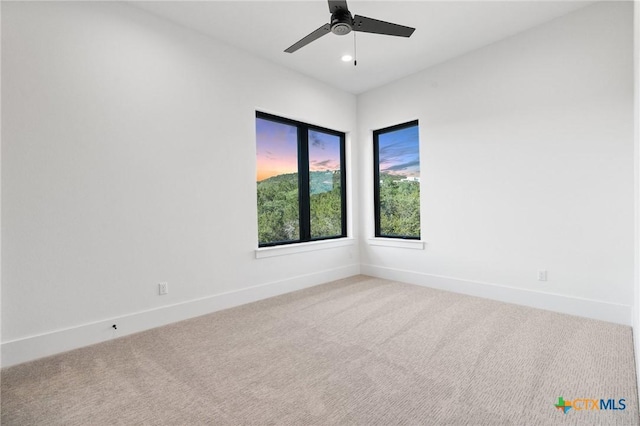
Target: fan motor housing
[{"x": 341, "y": 22}]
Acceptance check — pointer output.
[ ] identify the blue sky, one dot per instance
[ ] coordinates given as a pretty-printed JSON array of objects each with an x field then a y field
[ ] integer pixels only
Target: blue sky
[
  {"x": 324, "y": 151},
  {"x": 399, "y": 152}
]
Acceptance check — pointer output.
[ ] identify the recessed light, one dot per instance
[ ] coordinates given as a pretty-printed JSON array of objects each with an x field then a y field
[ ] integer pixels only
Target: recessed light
[{"x": 346, "y": 58}]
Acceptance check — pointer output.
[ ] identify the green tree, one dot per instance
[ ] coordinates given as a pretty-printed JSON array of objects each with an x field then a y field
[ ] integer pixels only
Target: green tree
[
  {"x": 399, "y": 206},
  {"x": 278, "y": 207},
  {"x": 278, "y": 215}
]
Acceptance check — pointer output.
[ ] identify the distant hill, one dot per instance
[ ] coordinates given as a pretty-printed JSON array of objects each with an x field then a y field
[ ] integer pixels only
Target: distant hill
[{"x": 319, "y": 182}]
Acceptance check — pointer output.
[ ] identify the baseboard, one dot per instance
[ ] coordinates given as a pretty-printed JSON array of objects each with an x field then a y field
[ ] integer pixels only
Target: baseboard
[
  {"x": 636, "y": 348},
  {"x": 604, "y": 311},
  {"x": 30, "y": 348}
]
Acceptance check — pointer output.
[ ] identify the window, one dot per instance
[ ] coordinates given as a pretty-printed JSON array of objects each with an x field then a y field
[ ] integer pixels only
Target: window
[
  {"x": 397, "y": 181},
  {"x": 300, "y": 182}
]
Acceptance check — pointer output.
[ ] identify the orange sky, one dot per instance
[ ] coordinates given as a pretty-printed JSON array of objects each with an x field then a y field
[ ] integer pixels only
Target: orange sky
[
  {"x": 271, "y": 167},
  {"x": 277, "y": 150}
]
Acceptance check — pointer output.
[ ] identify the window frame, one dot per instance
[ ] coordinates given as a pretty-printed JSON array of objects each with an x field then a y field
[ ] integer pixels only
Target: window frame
[
  {"x": 304, "y": 199},
  {"x": 376, "y": 179}
]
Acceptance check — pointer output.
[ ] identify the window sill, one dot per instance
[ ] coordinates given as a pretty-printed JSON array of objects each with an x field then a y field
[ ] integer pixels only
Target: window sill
[
  {"x": 302, "y": 247},
  {"x": 398, "y": 243}
]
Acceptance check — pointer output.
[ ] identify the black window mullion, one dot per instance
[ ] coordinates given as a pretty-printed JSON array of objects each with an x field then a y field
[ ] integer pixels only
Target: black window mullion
[
  {"x": 343, "y": 183},
  {"x": 303, "y": 183},
  {"x": 376, "y": 182}
]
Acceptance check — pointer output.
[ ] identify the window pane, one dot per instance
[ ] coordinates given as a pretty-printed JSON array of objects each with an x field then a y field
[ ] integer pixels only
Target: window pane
[
  {"x": 325, "y": 192},
  {"x": 300, "y": 181},
  {"x": 399, "y": 182},
  {"x": 277, "y": 181}
]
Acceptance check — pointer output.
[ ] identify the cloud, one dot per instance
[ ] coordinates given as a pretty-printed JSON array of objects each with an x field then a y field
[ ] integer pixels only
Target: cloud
[
  {"x": 316, "y": 141},
  {"x": 326, "y": 165},
  {"x": 402, "y": 166},
  {"x": 398, "y": 152},
  {"x": 399, "y": 159}
]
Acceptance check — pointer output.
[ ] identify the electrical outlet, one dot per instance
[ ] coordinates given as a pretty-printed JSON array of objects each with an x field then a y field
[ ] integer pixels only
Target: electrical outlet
[
  {"x": 542, "y": 275},
  {"x": 163, "y": 288}
]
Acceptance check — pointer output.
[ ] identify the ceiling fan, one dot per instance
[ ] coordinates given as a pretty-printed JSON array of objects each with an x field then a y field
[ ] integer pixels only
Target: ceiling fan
[{"x": 342, "y": 23}]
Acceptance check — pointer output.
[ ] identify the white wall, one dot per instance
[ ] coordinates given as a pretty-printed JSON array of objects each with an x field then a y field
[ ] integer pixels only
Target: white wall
[
  {"x": 128, "y": 158},
  {"x": 527, "y": 164},
  {"x": 636, "y": 156},
  {"x": 0, "y": 189}
]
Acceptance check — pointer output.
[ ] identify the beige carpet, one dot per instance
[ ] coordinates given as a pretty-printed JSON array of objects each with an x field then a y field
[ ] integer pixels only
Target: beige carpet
[{"x": 359, "y": 351}]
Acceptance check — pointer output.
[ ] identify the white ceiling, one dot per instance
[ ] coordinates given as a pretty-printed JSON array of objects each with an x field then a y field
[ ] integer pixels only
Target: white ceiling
[{"x": 444, "y": 30}]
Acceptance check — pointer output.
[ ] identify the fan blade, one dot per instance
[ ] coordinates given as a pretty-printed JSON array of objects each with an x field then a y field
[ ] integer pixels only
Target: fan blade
[
  {"x": 369, "y": 25},
  {"x": 337, "y": 4},
  {"x": 325, "y": 29}
]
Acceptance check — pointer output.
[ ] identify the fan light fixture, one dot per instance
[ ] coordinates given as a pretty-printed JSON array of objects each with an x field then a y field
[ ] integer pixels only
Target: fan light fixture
[{"x": 346, "y": 58}]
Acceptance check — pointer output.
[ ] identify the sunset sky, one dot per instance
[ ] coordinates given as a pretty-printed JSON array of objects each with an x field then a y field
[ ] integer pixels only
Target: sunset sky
[
  {"x": 324, "y": 152},
  {"x": 399, "y": 152},
  {"x": 277, "y": 150}
]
